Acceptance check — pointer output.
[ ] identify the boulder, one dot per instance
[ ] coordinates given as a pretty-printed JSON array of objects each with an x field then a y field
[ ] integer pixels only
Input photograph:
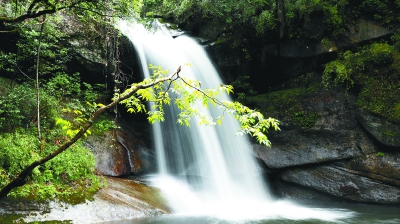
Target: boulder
[
  {"x": 295, "y": 192},
  {"x": 384, "y": 168},
  {"x": 380, "y": 128},
  {"x": 122, "y": 199},
  {"x": 121, "y": 152},
  {"x": 294, "y": 148},
  {"x": 335, "y": 135},
  {"x": 341, "y": 182},
  {"x": 141, "y": 159},
  {"x": 111, "y": 157}
]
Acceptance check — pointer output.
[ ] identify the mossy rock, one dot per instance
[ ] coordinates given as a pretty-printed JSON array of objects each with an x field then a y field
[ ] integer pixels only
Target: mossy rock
[{"x": 287, "y": 106}]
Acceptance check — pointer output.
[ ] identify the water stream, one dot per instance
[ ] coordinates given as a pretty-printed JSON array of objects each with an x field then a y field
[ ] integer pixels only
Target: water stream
[{"x": 209, "y": 173}]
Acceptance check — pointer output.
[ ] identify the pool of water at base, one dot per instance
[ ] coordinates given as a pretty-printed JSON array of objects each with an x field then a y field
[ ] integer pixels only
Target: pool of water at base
[{"x": 355, "y": 214}]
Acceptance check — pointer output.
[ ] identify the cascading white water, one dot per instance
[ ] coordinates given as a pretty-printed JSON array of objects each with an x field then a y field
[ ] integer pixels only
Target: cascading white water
[{"x": 205, "y": 170}]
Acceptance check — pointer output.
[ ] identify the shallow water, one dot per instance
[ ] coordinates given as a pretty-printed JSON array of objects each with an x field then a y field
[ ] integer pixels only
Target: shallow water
[{"x": 353, "y": 214}]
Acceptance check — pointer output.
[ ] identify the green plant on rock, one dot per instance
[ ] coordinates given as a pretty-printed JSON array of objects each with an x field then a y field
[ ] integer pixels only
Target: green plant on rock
[
  {"x": 380, "y": 154},
  {"x": 332, "y": 14},
  {"x": 58, "y": 178},
  {"x": 243, "y": 88},
  {"x": 306, "y": 120},
  {"x": 351, "y": 66},
  {"x": 374, "y": 69},
  {"x": 103, "y": 124},
  {"x": 397, "y": 111}
]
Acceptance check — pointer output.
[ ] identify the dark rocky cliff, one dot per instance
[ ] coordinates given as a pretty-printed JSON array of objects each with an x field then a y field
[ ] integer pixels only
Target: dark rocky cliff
[{"x": 327, "y": 146}]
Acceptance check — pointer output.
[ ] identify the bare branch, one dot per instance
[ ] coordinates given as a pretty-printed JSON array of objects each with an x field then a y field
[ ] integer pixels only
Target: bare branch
[
  {"x": 23, "y": 72},
  {"x": 37, "y": 86}
]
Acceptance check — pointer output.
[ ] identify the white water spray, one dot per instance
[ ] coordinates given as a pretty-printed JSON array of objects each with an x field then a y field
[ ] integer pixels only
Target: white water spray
[{"x": 206, "y": 170}]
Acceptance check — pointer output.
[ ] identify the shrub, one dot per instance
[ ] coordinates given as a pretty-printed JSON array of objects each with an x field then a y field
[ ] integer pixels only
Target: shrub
[{"x": 66, "y": 176}]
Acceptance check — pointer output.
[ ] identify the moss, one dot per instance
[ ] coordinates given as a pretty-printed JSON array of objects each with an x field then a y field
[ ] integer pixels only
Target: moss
[
  {"x": 221, "y": 40},
  {"x": 374, "y": 69},
  {"x": 380, "y": 94},
  {"x": 9, "y": 218},
  {"x": 397, "y": 111},
  {"x": 306, "y": 120},
  {"x": 389, "y": 133},
  {"x": 286, "y": 105},
  {"x": 285, "y": 97},
  {"x": 380, "y": 154}
]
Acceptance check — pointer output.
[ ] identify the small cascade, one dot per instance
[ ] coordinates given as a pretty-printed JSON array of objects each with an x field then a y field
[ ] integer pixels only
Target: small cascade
[{"x": 205, "y": 170}]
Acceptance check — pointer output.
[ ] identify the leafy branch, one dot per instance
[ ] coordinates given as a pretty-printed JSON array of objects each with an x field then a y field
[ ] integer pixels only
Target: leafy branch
[
  {"x": 20, "y": 179},
  {"x": 158, "y": 89}
]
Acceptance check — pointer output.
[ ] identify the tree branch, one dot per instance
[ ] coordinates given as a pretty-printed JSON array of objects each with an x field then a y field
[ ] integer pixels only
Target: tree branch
[
  {"x": 30, "y": 15},
  {"x": 20, "y": 179},
  {"x": 37, "y": 86}
]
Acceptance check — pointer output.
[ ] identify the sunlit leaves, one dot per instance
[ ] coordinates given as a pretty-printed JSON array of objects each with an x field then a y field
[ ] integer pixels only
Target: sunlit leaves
[
  {"x": 252, "y": 122},
  {"x": 77, "y": 119},
  {"x": 188, "y": 96}
]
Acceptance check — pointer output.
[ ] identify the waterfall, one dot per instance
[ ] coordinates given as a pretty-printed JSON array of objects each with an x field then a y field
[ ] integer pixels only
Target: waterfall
[{"x": 206, "y": 170}]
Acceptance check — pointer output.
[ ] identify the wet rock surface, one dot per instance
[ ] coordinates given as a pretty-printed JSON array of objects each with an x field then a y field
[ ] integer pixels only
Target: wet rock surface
[
  {"x": 121, "y": 199},
  {"x": 291, "y": 148},
  {"x": 385, "y": 169},
  {"x": 339, "y": 181},
  {"x": 343, "y": 155},
  {"x": 121, "y": 152},
  {"x": 384, "y": 131},
  {"x": 300, "y": 193}
]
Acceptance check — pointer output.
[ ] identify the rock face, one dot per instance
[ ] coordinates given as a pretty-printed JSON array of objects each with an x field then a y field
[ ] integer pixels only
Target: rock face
[
  {"x": 384, "y": 131},
  {"x": 339, "y": 157},
  {"x": 338, "y": 181},
  {"x": 122, "y": 199},
  {"x": 121, "y": 152},
  {"x": 287, "y": 57}
]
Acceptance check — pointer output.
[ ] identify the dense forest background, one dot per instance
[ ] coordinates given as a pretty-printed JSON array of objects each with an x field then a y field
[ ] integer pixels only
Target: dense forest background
[{"x": 69, "y": 55}]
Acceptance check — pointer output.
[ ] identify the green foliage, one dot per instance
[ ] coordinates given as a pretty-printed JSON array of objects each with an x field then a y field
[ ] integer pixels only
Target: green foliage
[
  {"x": 186, "y": 94},
  {"x": 60, "y": 177},
  {"x": 380, "y": 154},
  {"x": 243, "y": 88},
  {"x": 298, "y": 18},
  {"x": 300, "y": 13},
  {"x": 70, "y": 175},
  {"x": 103, "y": 124},
  {"x": 18, "y": 106},
  {"x": 252, "y": 122},
  {"x": 63, "y": 85},
  {"x": 306, "y": 120},
  {"x": 374, "y": 68},
  {"x": 397, "y": 110},
  {"x": 240, "y": 20},
  {"x": 382, "y": 11},
  {"x": 265, "y": 23},
  {"x": 352, "y": 66},
  {"x": 286, "y": 104}
]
